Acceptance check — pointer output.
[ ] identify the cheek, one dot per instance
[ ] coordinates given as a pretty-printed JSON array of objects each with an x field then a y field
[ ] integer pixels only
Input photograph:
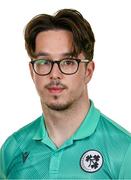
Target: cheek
[
  {"x": 82, "y": 78},
  {"x": 39, "y": 83},
  {"x": 77, "y": 84}
]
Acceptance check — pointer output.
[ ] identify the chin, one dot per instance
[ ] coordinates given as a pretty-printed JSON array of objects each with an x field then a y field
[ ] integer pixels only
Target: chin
[{"x": 58, "y": 106}]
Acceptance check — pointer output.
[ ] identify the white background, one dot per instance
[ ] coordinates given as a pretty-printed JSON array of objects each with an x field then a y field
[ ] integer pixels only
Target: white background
[{"x": 110, "y": 88}]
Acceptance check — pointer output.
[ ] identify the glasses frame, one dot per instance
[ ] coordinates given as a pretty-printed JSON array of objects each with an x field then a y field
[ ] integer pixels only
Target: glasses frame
[{"x": 58, "y": 63}]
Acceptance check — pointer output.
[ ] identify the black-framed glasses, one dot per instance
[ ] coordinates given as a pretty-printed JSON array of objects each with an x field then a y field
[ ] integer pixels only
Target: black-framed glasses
[{"x": 67, "y": 66}]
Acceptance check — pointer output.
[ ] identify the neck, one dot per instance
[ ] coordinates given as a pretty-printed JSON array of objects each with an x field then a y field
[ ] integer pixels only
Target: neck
[{"x": 61, "y": 125}]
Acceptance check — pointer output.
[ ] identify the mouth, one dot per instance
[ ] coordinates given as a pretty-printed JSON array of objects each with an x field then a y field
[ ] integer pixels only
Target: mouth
[{"x": 55, "y": 90}]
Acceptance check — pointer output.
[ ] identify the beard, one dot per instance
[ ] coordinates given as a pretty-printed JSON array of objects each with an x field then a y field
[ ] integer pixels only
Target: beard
[{"x": 58, "y": 106}]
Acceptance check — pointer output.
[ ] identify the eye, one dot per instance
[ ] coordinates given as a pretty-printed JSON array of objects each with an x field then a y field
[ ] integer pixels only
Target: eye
[
  {"x": 42, "y": 62},
  {"x": 69, "y": 62}
]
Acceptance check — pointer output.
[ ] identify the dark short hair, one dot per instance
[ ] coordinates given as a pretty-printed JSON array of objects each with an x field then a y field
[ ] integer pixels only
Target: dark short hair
[{"x": 67, "y": 19}]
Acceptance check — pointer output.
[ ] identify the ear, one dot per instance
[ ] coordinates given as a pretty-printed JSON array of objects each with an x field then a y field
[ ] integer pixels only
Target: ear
[
  {"x": 89, "y": 71},
  {"x": 31, "y": 71}
]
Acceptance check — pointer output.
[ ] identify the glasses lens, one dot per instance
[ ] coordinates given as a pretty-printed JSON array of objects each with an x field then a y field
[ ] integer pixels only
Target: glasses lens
[
  {"x": 68, "y": 66},
  {"x": 42, "y": 66}
]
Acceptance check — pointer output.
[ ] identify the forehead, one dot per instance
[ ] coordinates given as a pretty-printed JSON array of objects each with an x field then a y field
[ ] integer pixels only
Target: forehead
[{"x": 54, "y": 42}]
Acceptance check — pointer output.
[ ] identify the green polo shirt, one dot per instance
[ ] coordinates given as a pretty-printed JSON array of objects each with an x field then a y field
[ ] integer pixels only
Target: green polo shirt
[{"x": 99, "y": 149}]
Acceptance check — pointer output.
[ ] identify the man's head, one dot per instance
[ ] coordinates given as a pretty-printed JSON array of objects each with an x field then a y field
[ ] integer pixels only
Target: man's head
[
  {"x": 67, "y": 19},
  {"x": 58, "y": 45}
]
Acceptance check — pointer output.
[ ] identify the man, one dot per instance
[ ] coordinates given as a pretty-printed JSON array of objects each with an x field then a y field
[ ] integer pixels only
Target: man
[{"x": 72, "y": 139}]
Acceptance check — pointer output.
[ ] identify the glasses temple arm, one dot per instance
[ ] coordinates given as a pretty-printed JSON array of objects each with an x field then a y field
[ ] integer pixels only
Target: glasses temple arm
[{"x": 85, "y": 60}]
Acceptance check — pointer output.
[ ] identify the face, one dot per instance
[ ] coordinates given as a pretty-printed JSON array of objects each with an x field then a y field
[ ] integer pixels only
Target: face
[{"x": 58, "y": 91}]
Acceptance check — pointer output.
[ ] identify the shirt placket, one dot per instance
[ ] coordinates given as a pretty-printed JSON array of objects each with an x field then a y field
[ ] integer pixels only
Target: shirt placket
[{"x": 55, "y": 164}]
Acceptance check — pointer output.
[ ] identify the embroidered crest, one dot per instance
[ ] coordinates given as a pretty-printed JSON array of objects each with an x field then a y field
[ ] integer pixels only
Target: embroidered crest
[{"x": 91, "y": 161}]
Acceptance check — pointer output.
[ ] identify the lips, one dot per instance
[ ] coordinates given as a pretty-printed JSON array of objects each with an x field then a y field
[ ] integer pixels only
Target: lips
[{"x": 55, "y": 89}]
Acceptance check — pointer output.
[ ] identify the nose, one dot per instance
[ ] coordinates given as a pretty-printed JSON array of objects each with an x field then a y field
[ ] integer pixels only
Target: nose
[{"x": 55, "y": 72}]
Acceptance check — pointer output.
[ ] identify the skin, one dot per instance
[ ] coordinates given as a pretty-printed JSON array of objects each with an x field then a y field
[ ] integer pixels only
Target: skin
[{"x": 61, "y": 95}]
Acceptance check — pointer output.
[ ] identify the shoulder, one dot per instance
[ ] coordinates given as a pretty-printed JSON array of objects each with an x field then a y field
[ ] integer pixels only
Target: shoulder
[
  {"x": 23, "y": 134},
  {"x": 27, "y": 132},
  {"x": 113, "y": 130},
  {"x": 114, "y": 134},
  {"x": 14, "y": 143}
]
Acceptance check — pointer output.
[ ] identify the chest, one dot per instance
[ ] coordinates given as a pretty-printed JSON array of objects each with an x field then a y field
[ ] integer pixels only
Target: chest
[{"x": 80, "y": 160}]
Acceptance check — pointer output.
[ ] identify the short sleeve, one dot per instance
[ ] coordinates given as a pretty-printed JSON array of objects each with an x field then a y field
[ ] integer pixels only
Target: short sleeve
[
  {"x": 125, "y": 172},
  {"x": 6, "y": 154}
]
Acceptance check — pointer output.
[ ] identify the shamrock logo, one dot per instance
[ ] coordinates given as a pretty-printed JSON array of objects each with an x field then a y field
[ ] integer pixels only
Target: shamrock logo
[{"x": 91, "y": 161}]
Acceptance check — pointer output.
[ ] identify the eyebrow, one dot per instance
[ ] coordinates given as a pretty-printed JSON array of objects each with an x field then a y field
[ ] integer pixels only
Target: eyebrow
[{"x": 48, "y": 54}]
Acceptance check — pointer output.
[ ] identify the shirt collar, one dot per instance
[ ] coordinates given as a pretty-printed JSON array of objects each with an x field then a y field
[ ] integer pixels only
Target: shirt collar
[
  {"x": 41, "y": 131},
  {"x": 42, "y": 135},
  {"x": 87, "y": 127},
  {"x": 89, "y": 124}
]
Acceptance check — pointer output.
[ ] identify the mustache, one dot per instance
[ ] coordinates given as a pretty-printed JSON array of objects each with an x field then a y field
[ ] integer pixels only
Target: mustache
[{"x": 55, "y": 83}]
